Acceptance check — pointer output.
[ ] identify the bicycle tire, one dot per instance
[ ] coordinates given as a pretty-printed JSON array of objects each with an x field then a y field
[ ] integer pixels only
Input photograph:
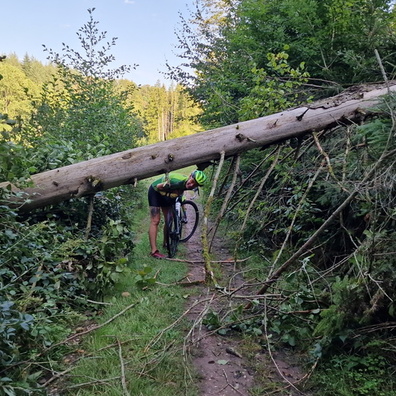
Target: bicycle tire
[
  {"x": 171, "y": 235},
  {"x": 192, "y": 213}
]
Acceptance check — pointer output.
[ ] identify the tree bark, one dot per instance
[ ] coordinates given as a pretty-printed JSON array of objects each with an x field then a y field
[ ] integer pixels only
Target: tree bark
[{"x": 129, "y": 166}]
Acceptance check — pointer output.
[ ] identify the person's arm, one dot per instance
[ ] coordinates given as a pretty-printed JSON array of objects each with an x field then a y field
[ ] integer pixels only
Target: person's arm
[{"x": 174, "y": 186}]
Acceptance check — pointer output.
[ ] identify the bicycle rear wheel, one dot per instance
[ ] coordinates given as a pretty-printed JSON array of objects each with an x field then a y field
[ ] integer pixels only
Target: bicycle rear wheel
[
  {"x": 172, "y": 232},
  {"x": 191, "y": 214}
]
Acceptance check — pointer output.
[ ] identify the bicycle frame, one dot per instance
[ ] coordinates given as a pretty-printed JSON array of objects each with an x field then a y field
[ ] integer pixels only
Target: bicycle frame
[
  {"x": 174, "y": 223},
  {"x": 173, "y": 227}
]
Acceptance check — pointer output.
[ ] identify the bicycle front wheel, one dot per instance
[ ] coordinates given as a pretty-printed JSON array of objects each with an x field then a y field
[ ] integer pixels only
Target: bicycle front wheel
[
  {"x": 172, "y": 232},
  {"x": 190, "y": 218}
]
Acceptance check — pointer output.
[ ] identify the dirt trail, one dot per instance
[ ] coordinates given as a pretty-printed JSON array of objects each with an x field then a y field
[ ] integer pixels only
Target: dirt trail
[
  {"x": 219, "y": 360},
  {"x": 220, "y": 364}
]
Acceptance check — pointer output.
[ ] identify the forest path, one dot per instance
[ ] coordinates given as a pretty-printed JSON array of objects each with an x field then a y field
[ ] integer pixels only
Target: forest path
[
  {"x": 226, "y": 366},
  {"x": 221, "y": 367}
]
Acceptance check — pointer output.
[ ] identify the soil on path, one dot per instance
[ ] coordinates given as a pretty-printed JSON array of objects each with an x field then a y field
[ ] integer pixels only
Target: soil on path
[{"x": 222, "y": 367}]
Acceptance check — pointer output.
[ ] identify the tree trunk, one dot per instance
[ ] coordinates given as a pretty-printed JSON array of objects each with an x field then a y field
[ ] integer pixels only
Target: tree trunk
[{"x": 129, "y": 166}]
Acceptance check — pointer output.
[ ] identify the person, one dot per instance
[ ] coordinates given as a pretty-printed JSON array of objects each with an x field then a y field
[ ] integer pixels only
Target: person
[{"x": 161, "y": 195}]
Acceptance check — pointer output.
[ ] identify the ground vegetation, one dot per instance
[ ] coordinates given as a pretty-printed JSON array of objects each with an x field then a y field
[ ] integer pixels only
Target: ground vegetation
[
  {"x": 318, "y": 210},
  {"x": 57, "y": 259},
  {"x": 312, "y": 219}
]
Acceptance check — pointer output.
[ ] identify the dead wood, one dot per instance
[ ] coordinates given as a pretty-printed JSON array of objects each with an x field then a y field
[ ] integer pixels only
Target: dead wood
[
  {"x": 96, "y": 327},
  {"x": 288, "y": 263},
  {"x": 209, "y": 274},
  {"x": 226, "y": 200},
  {"x": 127, "y": 167}
]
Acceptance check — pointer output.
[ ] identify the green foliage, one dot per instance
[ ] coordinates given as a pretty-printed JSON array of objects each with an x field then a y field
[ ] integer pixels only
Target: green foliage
[
  {"x": 12, "y": 328},
  {"x": 14, "y": 164},
  {"x": 33, "y": 291},
  {"x": 50, "y": 263},
  {"x": 212, "y": 320},
  {"x": 227, "y": 52},
  {"x": 100, "y": 262},
  {"x": 355, "y": 376},
  {"x": 254, "y": 60},
  {"x": 165, "y": 113},
  {"x": 132, "y": 115},
  {"x": 144, "y": 277},
  {"x": 81, "y": 104},
  {"x": 271, "y": 94},
  {"x": 48, "y": 270},
  {"x": 16, "y": 92},
  {"x": 337, "y": 297},
  {"x": 348, "y": 304}
]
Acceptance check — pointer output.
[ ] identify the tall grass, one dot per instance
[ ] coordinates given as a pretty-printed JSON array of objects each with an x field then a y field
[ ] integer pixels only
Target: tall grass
[{"x": 132, "y": 354}]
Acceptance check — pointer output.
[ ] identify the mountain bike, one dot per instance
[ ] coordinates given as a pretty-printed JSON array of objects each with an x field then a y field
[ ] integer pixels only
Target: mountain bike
[{"x": 180, "y": 223}]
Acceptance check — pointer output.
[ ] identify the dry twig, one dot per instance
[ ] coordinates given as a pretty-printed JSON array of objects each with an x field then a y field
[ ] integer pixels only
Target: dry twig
[
  {"x": 208, "y": 267},
  {"x": 258, "y": 192},
  {"x": 93, "y": 327},
  {"x": 274, "y": 277},
  {"x": 123, "y": 380},
  {"x": 89, "y": 219},
  {"x": 296, "y": 212},
  {"x": 229, "y": 384},
  {"x": 162, "y": 332},
  {"x": 270, "y": 351},
  {"x": 226, "y": 200}
]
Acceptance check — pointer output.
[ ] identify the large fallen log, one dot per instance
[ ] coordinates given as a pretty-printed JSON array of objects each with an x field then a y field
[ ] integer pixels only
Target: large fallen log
[{"x": 129, "y": 166}]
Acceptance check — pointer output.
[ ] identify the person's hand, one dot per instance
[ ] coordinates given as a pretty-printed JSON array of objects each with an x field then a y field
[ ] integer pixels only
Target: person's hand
[{"x": 162, "y": 186}]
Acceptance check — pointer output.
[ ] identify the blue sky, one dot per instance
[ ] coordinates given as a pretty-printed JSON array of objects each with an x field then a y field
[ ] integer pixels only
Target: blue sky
[{"x": 145, "y": 30}]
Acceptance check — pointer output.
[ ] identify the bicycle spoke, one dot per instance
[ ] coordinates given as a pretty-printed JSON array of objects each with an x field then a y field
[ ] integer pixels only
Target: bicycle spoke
[
  {"x": 190, "y": 211},
  {"x": 171, "y": 231}
]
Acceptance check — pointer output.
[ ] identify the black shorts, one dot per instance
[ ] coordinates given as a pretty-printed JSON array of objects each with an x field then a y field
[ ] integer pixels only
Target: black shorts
[{"x": 158, "y": 200}]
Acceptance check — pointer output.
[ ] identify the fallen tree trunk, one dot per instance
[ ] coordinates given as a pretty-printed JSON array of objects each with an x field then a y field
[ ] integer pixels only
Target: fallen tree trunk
[{"x": 129, "y": 166}]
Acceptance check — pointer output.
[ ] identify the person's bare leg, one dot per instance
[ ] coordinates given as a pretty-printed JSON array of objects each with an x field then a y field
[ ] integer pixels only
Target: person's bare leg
[
  {"x": 155, "y": 218},
  {"x": 165, "y": 211}
]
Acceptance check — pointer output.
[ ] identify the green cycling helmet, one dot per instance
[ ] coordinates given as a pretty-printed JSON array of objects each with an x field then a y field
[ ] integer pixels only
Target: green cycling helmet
[{"x": 199, "y": 177}]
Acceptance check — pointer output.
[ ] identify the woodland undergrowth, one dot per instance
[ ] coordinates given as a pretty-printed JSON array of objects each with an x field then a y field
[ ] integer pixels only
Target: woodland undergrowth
[
  {"x": 312, "y": 220},
  {"x": 313, "y": 223}
]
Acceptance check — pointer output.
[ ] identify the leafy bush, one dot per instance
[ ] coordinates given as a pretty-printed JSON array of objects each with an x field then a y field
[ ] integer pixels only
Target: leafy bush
[
  {"x": 337, "y": 296},
  {"x": 50, "y": 262},
  {"x": 49, "y": 269},
  {"x": 355, "y": 376}
]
